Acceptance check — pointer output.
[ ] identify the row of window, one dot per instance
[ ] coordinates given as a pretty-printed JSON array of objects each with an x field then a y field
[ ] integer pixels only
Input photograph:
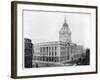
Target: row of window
[
  {"x": 46, "y": 49},
  {"x": 52, "y": 53},
  {"x": 48, "y": 53},
  {"x": 52, "y": 59}
]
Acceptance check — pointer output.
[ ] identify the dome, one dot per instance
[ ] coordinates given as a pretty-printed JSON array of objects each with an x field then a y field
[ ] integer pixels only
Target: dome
[
  {"x": 65, "y": 33},
  {"x": 65, "y": 28}
]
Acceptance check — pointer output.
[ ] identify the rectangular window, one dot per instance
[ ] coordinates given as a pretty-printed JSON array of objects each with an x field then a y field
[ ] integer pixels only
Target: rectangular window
[
  {"x": 49, "y": 53},
  {"x": 55, "y": 48},
  {"x": 55, "y": 53},
  {"x": 52, "y": 53}
]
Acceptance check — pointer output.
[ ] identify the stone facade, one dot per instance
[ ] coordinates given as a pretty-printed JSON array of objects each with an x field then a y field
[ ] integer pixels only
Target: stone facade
[{"x": 58, "y": 52}]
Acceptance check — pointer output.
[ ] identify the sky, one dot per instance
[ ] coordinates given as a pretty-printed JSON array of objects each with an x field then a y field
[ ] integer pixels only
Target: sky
[{"x": 42, "y": 26}]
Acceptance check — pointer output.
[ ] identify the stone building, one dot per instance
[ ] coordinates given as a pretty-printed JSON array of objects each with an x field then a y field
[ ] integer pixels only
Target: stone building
[
  {"x": 28, "y": 48},
  {"x": 58, "y": 52}
]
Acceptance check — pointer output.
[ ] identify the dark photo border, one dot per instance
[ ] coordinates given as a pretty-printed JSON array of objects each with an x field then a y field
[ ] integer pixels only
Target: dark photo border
[{"x": 14, "y": 37}]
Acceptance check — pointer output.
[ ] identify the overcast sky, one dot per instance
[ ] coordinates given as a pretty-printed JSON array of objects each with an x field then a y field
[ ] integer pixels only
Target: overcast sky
[{"x": 45, "y": 26}]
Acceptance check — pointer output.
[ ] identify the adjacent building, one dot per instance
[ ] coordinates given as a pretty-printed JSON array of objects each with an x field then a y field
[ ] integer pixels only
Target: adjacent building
[{"x": 28, "y": 57}]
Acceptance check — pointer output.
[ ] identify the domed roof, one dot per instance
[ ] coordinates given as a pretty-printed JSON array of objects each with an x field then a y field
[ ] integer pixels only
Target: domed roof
[{"x": 65, "y": 27}]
